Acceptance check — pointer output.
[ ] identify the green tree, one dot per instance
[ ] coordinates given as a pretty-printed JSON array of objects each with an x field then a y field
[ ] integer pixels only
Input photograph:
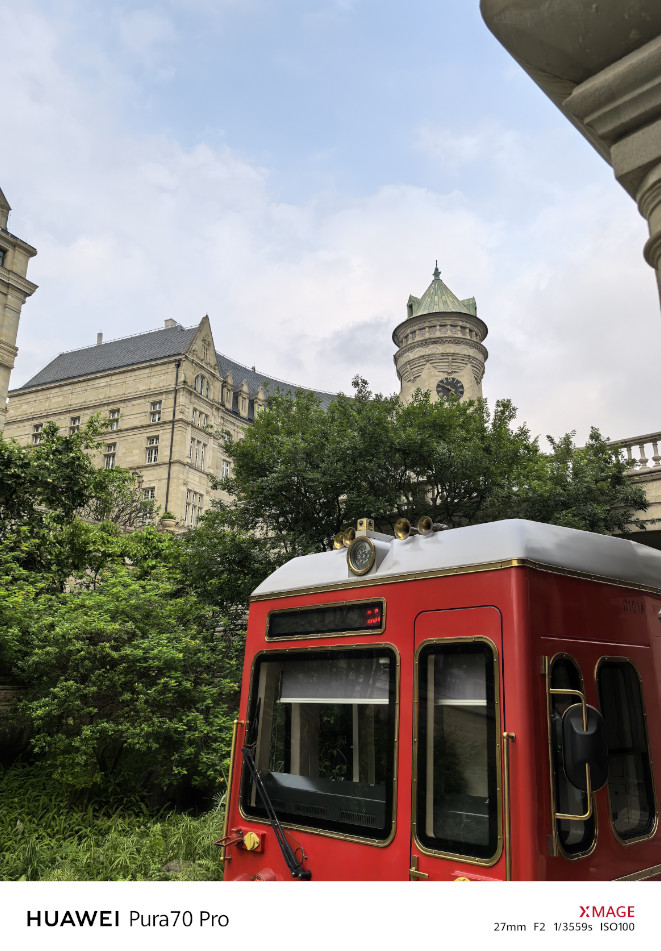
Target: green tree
[
  {"x": 302, "y": 474},
  {"x": 586, "y": 487},
  {"x": 129, "y": 684},
  {"x": 60, "y": 514}
]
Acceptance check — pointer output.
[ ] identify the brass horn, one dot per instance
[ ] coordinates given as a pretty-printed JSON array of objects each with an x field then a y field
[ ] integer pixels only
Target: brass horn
[
  {"x": 403, "y": 528},
  {"x": 426, "y": 526},
  {"x": 338, "y": 541},
  {"x": 348, "y": 536}
]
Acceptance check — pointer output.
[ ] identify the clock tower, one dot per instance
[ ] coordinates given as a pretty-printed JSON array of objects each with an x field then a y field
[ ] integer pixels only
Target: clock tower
[{"x": 439, "y": 345}]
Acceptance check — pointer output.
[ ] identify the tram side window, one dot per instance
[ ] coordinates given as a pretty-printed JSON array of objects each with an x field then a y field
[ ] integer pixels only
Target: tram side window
[
  {"x": 457, "y": 797},
  {"x": 576, "y": 836},
  {"x": 325, "y": 745},
  {"x": 630, "y": 789}
]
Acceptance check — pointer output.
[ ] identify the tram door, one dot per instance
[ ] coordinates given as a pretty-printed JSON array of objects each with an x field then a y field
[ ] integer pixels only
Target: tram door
[{"x": 456, "y": 808}]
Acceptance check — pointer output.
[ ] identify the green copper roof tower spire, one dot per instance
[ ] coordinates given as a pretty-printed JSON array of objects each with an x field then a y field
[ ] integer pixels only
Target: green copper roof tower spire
[{"x": 440, "y": 345}]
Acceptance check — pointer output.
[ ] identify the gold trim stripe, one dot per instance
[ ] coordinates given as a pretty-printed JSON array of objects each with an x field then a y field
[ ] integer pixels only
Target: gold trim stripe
[
  {"x": 641, "y": 875},
  {"x": 457, "y": 570}
]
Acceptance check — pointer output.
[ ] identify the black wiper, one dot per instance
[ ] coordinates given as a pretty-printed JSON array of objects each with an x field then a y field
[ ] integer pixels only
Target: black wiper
[{"x": 294, "y": 866}]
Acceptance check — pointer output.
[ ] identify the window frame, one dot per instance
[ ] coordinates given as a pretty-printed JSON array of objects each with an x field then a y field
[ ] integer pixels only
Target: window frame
[
  {"x": 647, "y": 761},
  {"x": 558, "y": 846},
  {"x": 430, "y": 645},
  {"x": 392, "y": 797}
]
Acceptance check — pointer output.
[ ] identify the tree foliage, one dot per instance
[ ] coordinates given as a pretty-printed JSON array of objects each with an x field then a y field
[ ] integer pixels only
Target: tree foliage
[
  {"x": 127, "y": 683},
  {"x": 301, "y": 474},
  {"x": 131, "y": 681},
  {"x": 60, "y": 514}
]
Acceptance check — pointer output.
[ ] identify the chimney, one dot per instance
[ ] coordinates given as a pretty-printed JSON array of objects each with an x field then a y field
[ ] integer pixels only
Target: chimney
[
  {"x": 99, "y": 339},
  {"x": 170, "y": 323}
]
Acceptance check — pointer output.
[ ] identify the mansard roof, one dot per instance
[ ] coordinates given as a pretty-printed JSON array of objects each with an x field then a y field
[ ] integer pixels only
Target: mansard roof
[{"x": 150, "y": 346}]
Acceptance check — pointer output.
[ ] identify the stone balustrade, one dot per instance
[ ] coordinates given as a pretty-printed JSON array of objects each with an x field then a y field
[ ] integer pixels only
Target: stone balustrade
[{"x": 642, "y": 454}]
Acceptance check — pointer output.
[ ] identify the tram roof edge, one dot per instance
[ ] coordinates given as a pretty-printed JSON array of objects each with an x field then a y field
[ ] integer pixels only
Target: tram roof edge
[{"x": 475, "y": 547}]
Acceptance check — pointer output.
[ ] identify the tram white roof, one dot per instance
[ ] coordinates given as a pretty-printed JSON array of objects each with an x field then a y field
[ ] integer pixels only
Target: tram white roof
[{"x": 583, "y": 553}]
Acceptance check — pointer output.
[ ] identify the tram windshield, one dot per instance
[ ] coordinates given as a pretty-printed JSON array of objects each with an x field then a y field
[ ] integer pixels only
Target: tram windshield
[{"x": 325, "y": 746}]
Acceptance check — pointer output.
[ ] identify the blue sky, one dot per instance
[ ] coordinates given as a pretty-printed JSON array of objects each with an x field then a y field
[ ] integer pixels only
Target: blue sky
[{"x": 294, "y": 169}]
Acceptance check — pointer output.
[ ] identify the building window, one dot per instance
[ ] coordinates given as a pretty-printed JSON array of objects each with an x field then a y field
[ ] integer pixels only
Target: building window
[
  {"x": 202, "y": 457},
  {"x": 194, "y": 416},
  {"x": 114, "y": 419},
  {"x": 109, "y": 455},
  {"x": 149, "y": 496},
  {"x": 224, "y": 469},
  {"x": 36, "y": 433},
  {"x": 156, "y": 411},
  {"x": 3, "y": 256},
  {"x": 152, "y": 449},
  {"x": 190, "y": 451},
  {"x": 201, "y": 385},
  {"x": 74, "y": 424},
  {"x": 197, "y": 454},
  {"x": 193, "y": 510}
]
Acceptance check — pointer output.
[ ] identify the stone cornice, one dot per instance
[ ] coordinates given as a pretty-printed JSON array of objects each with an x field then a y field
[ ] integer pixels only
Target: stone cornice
[
  {"x": 407, "y": 351},
  {"x": 15, "y": 281},
  {"x": 18, "y": 242},
  {"x": 428, "y": 320}
]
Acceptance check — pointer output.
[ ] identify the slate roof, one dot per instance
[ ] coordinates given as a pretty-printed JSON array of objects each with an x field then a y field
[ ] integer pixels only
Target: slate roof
[
  {"x": 438, "y": 298},
  {"x": 149, "y": 346},
  {"x": 113, "y": 355},
  {"x": 271, "y": 385}
]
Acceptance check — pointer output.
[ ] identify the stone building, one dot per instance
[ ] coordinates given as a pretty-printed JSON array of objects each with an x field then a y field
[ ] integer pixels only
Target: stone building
[
  {"x": 439, "y": 345},
  {"x": 166, "y": 392},
  {"x": 14, "y": 291}
]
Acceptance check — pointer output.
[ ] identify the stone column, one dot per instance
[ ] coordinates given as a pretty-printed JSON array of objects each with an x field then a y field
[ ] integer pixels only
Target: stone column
[
  {"x": 622, "y": 105},
  {"x": 599, "y": 62}
]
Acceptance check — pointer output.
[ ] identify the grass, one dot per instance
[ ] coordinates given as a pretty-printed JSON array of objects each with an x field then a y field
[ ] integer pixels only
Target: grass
[{"x": 44, "y": 838}]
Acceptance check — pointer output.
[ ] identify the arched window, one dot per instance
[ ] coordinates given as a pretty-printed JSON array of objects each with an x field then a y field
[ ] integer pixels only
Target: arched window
[{"x": 201, "y": 385}]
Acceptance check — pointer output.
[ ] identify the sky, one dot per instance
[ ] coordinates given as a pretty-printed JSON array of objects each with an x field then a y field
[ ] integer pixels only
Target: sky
[{"x": 294, "y": 169}]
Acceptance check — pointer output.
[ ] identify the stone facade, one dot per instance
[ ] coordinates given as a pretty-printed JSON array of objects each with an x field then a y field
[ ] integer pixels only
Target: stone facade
[
  {"x": 14, "y": 291},
  {"x": 440, "y": 345},
  {"x": 168, "y": 393},
  {"x": 599, "y": 63}
]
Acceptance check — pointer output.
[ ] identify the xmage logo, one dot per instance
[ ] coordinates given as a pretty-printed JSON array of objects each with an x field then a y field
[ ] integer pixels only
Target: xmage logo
[{"x": 607, "y": 911}]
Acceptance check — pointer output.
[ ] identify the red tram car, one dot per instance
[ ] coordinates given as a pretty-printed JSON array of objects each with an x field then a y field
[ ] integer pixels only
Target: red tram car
[{"x": 477, "y": 704}]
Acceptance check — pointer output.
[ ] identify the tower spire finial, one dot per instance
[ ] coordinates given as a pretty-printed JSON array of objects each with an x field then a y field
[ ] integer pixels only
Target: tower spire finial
[{"x": 437, "y": 273}]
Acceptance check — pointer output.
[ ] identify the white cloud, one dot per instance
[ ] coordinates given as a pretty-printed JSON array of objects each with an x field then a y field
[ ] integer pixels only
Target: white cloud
[
  {"x": 147, "y": 36},
  {"x": 133, "y": 228}
]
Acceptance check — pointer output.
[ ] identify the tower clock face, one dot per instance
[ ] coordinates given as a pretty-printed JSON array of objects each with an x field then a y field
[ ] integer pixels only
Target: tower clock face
[{"x": 449, "y": 386}]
